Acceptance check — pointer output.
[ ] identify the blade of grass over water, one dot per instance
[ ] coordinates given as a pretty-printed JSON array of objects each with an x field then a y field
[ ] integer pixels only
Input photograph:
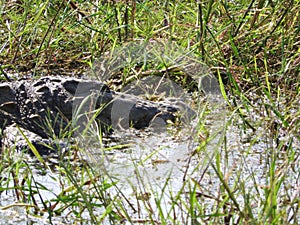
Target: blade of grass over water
[{"x": 33, "y": 149}]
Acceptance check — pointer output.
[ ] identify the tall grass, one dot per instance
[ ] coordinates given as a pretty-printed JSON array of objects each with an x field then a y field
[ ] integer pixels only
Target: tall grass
[{"x": 250, "y": 177}]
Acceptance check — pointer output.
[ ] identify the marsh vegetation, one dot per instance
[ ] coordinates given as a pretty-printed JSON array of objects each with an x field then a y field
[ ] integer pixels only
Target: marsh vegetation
[{"x": 238, "y": 163}]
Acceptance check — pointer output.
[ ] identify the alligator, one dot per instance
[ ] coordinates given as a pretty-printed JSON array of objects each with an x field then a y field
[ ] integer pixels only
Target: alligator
[{"x": 48, "y": 105}]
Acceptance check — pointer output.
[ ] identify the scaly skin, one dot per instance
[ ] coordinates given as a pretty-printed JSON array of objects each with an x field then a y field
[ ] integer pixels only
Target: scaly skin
[{"x": 46, "y": 106}]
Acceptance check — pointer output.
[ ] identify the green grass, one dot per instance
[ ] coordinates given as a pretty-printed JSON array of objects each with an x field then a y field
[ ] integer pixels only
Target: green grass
[{"x": 249, "y": 176}]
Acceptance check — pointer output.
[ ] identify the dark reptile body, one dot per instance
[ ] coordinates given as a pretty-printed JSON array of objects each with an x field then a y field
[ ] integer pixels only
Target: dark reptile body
[{"x": 45, "y": 106}]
